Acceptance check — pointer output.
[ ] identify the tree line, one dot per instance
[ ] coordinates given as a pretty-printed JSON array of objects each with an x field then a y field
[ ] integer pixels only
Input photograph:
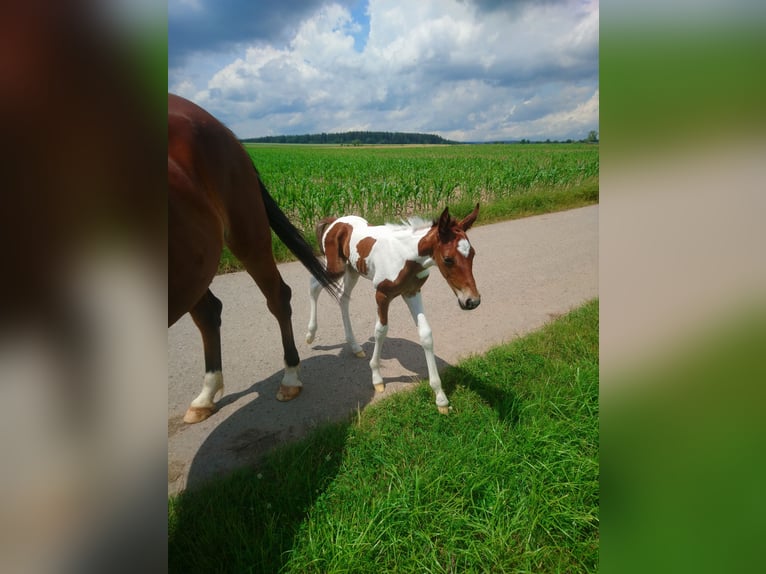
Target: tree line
[
  {"x": 383, "y": 138},
  {"x": 354, "y": 138},
  {"x": 592, "y": 138}
]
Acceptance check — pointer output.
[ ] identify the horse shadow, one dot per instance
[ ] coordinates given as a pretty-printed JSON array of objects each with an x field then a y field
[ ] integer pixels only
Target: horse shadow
[
  {"x": 336, "y": 386},
  {"x": 499, "y": 397},
  {"x": 323, "y": 415}
]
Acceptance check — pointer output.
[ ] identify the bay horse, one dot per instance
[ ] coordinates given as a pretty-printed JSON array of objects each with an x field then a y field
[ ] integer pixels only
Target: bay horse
[
  {"x": 397, "y": 259},
  {"x": 216, "y": 196}
]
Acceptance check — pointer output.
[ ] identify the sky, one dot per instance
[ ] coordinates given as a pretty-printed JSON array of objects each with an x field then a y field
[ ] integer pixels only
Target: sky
[{"x": 467, "y": 70}]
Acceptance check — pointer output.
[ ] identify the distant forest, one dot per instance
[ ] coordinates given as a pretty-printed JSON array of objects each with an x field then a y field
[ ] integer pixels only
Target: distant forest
[{"x": 355, "y": 138}]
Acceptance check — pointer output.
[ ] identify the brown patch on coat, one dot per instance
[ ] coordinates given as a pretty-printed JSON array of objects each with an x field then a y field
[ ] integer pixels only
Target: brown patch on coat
[
  {"x": 363, "y": 248},
  {"x": 336, "y": 248},
  {"x": 321, "y": 227},
  {"x": 428, "y": 242},
  {"x": 406, "y": 283}
]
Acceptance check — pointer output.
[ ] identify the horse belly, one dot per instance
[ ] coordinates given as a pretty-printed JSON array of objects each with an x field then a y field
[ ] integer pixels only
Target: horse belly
[{"x": 195, "y": 241}]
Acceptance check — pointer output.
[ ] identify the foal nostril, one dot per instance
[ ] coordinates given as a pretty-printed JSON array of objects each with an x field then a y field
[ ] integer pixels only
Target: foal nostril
[{"x": 472, "y": 303}]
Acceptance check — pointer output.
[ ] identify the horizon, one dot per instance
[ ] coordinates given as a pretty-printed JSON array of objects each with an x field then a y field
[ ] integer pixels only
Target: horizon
[{"x": 253, "y": 139}]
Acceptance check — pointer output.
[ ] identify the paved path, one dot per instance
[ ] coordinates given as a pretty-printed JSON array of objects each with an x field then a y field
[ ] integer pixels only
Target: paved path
[{"x": 527, "y": 271}]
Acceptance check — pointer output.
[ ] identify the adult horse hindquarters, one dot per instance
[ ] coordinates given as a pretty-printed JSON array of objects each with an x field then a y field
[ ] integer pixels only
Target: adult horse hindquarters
[
  {"x": 397, "y": 259},
  {"x": 215, "y": 195}
]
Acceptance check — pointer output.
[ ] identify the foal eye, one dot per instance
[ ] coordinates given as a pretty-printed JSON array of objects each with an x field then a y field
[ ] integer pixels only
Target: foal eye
[{"x": 449, "y": 261}]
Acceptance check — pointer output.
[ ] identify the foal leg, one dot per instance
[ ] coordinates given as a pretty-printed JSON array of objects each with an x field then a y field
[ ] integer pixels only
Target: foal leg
[
  {"x": 207, "y": 316},
  {"x": 415, "y": 304},
  {"x": 381, "y": 329},
  {"x": 266, "y": 275},
  {"x": 315, "y": 288},
  {"x": 349, "y": 282}
]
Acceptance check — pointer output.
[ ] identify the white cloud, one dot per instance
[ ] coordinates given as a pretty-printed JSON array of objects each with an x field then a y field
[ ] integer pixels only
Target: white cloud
[
  {"x": 442, "y": 66},
  {"x": 194, "y": 5},
  {"x": 581, "y": 117}
]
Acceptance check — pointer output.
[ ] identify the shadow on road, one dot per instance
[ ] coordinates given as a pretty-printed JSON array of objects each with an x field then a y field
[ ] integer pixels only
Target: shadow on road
[
  {"x": 269, "y": 501},
  {"x": 334, "y": 387}
]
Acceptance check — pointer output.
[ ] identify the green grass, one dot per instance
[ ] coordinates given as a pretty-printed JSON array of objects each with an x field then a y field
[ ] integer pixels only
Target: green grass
[
  {"x": 683, "y": 436},
  {"x": 387, "y": 183},
  {"x": 672, "y": 84},
  {"x": 508, "y": 482}
]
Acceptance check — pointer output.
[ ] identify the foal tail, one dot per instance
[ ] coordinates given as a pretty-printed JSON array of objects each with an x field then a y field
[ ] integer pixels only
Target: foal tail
[{"x": 295, "y": 242}]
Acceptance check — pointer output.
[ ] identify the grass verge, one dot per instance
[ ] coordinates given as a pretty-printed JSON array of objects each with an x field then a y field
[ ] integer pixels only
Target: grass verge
[{"x": 508, "y": 482}]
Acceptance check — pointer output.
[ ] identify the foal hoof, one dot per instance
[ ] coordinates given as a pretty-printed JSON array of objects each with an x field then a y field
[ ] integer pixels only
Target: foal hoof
[
  {"x": 198, "y": 414},
  {"x": 380, "y": 387},
  {"x": 309, "y": 339},
  {"x": 360, "y": 354},
  {"x": 286, "y": 393},
  {"x": 444, "y": 410}
]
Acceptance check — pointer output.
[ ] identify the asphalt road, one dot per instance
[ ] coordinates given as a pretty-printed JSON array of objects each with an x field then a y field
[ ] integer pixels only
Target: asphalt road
[{"x": 528, "y": 271}]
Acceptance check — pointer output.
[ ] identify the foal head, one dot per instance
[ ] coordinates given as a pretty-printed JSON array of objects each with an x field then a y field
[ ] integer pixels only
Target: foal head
[{"x": 454, "y": 254}]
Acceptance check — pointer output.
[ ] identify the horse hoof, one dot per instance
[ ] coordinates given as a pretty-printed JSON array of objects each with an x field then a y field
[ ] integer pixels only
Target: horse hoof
[
  {"x": 309, "y": 339},
  {"x": 444, "y": 410},
  {"x": 286, "y": 393},
  {"x": 360, "y": 354},
  {"x": 198, "y": 414},
  {"x": 380, "y": 387}
]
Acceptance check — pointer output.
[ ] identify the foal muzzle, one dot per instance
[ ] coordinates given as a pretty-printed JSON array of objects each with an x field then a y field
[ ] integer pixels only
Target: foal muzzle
[{"x": 469, "y": 302}]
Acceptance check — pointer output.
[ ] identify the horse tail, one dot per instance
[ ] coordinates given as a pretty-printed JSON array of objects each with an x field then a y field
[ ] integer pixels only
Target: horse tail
[{"x": 295, "y": 241}]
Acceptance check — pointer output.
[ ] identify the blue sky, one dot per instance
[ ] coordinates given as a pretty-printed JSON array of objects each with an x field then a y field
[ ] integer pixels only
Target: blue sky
[{"x": 469, "y": 70}]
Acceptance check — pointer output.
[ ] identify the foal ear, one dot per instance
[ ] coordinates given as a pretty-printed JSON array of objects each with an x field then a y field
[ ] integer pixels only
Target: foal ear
[
  {"x": 466, "y": 224},
  {"x": 445, "y": 229}
]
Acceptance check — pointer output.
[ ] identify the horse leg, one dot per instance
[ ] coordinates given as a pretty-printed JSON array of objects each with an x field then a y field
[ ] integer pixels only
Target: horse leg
[
  {"x": 349, "y": 282},
  {"x": 315, "y": 288},
  {"x": 207, "y": 316},
  {"x": 266, "y": 275},
  {"x": 381, "y": 329},
  {"x": 415, "y": 304}
]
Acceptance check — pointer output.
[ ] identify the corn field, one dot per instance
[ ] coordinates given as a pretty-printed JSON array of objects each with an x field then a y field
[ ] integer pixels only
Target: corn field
[{"x": 388, "y": 183}]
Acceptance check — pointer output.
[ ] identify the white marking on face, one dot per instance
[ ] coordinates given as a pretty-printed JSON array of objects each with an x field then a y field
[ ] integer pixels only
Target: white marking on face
[{"x": 463, "y": 247}]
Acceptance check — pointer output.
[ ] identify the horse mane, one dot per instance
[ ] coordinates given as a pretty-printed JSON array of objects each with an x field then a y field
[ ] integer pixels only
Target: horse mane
[{"x": 410, "y": 224}]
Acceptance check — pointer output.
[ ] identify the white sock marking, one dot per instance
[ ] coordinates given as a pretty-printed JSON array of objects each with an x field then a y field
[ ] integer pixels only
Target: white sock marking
[
  {"x": 290, "y": 378},
  {"x": 212, "y": 385}
]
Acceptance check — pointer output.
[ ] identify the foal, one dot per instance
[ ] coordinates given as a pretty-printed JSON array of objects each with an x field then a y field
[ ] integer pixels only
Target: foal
[{"x": 397, "y": 259}]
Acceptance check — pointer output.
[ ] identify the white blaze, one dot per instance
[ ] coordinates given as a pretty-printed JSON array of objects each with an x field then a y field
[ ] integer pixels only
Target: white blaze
[{"x": 463, "y": 247}]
